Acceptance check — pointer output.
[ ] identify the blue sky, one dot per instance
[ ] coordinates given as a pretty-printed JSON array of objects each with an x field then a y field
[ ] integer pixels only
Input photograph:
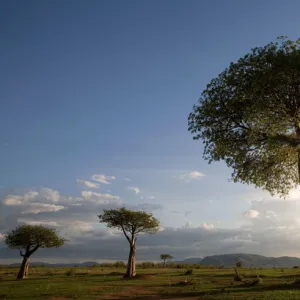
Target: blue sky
[{"x": 105, "y": 87}]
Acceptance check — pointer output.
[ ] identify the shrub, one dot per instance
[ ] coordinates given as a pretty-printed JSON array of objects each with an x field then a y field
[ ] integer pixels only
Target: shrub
[
  {"x": 106, "y": 265},
  {"x": 119, "y": 264},
  {"x": 70, "y": 272},
  {"x": 239, "y": 263},
  {"x": 49, "y": 273},
  {"x": 188, "y": 272},
  {"x": 295, "y": 267},
  {"x": 256, "y": 281},
  {"x": 238, "y": 277},
  {"x": 146, "y": 265},
  {"x": 183, "y": 282}
]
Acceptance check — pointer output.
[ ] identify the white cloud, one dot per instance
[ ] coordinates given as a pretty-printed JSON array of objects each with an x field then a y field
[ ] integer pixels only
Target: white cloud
[
  {"x": 13, "y": 200},
  {"x": 207, "y": 226},
  {"x": 2, "y": 236},
  {"x": 103, "y": 178},
  {"x": 188, "y": 213},
  {"x": 47, "y": 194},
  {"x": 271, "y": 214},
  {"x": 31, "y": 195},
  {"x": 75, "y": 228},
  {"x": 33, "y": 222},
  {"x": 36, "y": 208},
  {"x": 100, "y": 198},
  {"x": 194, "y": 175},
  {"x": 88, "y": 183},
  {"x": 127, "y": 179},
  {"x": 147, "y": 198},
  {"x": 43, "y": 195},
  {"x": 188, "y": 224},
  {"x": 251, "y": 213},
  {"x": 135, "y": 189}
]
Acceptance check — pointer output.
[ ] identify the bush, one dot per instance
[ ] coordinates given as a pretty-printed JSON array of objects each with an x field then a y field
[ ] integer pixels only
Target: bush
[
  {"x": 237, "y": 277},
  {"x": 239, "y": 264},
  {"x": 146, "y": 265},
  {"x": 295, "y": 267},
  {"x": 256, "y": 281},
  {"x": 188, "y": 272},
  {"x": 119, "y": 264},
  {"x": 49, "y": 273},
  {"x": 183, "y": 282},
  {"x": 70, "y": 272}
]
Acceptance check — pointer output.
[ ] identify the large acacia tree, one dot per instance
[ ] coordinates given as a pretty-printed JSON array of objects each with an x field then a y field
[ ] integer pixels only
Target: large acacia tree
[
  {"x": 31, "y": 238},
  {"x": 249, "y": 117},
  {"x": 131, "y": 223}
]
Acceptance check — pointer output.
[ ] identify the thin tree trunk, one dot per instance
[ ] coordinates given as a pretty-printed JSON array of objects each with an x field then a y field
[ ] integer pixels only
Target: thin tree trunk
[
  {"x": 165, "y": 263},
  {"x": 24, "y": 268},
  {"x": 298, "y": 136},
  {"x": 27, "y": 268},
  {"x": 131, "y": 262}
]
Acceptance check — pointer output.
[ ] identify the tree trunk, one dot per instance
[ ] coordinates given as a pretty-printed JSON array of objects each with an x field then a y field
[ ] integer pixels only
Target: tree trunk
[
  {"x": 297, "y": 129},
  {"x": 165, "y": 264},
  {"x": 131, "y": 262},
  {"x": 23, "y": 272}
]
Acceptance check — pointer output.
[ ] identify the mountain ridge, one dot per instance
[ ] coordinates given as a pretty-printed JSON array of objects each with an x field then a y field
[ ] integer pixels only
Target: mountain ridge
[
  {"x": 226, "y": 260},
  {"x": 248, "y": 260}
]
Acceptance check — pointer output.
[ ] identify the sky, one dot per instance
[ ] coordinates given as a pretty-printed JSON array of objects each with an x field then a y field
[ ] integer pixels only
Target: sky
[{"x": 95, "y": 97}]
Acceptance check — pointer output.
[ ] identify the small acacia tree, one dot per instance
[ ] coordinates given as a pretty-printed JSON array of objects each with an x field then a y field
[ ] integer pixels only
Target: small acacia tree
[
  {"x": 31, "y": 238},
  {"x": 131, "y": 223},
  {"x": 164, "y": 257},
  {"x": 249, "y": 116}
]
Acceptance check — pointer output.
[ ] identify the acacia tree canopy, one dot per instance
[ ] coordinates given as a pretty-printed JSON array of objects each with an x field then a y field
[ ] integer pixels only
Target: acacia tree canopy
[
  {"x": 249, "y": 117},
  {"x": 34, "y": 236},
  {"x": 129, "y": 221},
  {"x": 166, "y": 256}
]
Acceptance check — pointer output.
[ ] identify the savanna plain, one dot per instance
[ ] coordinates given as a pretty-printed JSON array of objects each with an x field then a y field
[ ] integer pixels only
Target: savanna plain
[{"x": 150, "y": 283}]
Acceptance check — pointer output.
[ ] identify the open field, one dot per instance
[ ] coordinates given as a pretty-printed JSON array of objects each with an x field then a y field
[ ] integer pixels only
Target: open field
[{"x": 107, "y": 283}]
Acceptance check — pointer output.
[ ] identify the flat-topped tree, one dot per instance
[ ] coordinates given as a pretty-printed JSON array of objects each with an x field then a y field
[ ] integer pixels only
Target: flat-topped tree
[
  {"x": 249, "y": 117},
  {"x": 30, "y": 238},
  {"x": 131, "y": 223},
  {"x": 165, "y": 257}
]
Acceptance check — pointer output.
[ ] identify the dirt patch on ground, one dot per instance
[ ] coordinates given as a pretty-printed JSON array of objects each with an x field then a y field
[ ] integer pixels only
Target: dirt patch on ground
[
  {"x": 131, "y": 292},
  {"x": 139, "y": 276},
  {"x": 59, "y": 298}
]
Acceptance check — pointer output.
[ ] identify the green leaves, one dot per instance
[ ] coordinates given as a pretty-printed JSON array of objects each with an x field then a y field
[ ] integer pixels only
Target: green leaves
[
  {"x": 130, "y": 221},
  {"x": 32, "y": 237},
  {"x": 166, "y": 256},
  {"x": 249, "y": 116}
]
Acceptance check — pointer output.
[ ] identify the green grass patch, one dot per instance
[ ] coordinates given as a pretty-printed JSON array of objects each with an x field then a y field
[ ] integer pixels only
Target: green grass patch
[{"x": 107, "y": 283}]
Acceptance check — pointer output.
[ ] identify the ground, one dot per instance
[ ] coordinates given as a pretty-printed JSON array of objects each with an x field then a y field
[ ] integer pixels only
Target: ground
[{"x": 107, "y": 283}]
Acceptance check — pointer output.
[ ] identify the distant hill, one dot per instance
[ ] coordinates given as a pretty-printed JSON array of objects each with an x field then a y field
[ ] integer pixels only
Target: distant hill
[
  {"x": 192, "y": 260},
  {"x": 84, "y": 264},
  {"x": 226, "y": 260},
  {"x": 251, "y": 260}
]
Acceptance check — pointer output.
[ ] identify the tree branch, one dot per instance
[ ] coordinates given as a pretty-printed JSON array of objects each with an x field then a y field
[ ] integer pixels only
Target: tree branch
[
  {"x": 30, "y": 252},
  {"x": 127, "y": 237}
]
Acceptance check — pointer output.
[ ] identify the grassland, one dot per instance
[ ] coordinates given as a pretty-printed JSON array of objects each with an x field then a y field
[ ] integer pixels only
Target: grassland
[{"x": 107, "y": 283}]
